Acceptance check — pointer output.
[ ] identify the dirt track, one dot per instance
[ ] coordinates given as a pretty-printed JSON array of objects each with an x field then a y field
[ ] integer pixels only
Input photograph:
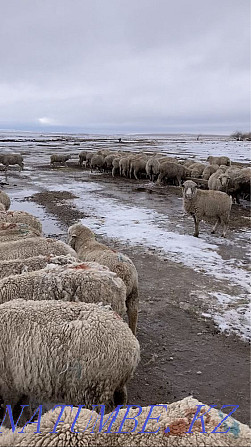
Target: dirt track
[{"x": 182, "y": 353}]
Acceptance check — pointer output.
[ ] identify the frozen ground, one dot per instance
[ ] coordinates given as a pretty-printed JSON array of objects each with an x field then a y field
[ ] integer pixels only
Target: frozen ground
[
  {"x": 194, "y": 301},
  {"x": 142, "y": 222}
]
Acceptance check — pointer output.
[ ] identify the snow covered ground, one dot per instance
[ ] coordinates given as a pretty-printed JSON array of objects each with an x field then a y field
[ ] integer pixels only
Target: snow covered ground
[{"x": 168, "y": 232}]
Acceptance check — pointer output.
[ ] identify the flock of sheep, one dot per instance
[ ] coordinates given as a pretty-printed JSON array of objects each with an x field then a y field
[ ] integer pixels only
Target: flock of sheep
[
  {"x": 224, "y": 183},
  {"x": 63, "y": 335}
]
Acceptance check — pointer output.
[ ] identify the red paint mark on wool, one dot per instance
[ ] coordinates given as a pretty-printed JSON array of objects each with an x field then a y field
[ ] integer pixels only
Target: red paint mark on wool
[{"x": 80, "y": 267}]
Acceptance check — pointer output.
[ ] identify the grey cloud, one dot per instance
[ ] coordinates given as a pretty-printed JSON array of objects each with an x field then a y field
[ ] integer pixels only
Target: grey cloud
[{"x": 118, "y": 64}]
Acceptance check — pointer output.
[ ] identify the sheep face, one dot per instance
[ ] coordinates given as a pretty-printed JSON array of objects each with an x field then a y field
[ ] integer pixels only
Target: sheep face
[
  {"x": 224, "y": 180},
  {"x": 189, "y": 190},
  {"x": 78, "y": 231}
]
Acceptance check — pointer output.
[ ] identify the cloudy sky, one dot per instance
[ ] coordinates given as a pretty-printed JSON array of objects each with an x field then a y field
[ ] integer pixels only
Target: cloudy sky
[{"x": 125, "y": 65}]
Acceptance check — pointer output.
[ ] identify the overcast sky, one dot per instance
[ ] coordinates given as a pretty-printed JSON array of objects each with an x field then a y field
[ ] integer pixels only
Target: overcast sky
[{"x": 125, "y": 65}]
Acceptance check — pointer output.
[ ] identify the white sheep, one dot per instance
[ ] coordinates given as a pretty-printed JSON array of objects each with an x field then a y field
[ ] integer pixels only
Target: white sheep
[
  {"x": 206, "y": 205},
  {"x": 22, "y": 217},
  {"x": 160, "y": 425},
  {"x": 219, "y": 160},
  {"x": 16, "y": 231},
  {"x": 58, "y": 158},
  {"x": 196, "y": 169},
  {"x": 171, "y": 170},
  {"x": 214, "y": 181},
  {"x": 18, "y": 266},
  {"x": 87, "y": 282},
  {"x": 4, "y": 200},
  {"x": 209, "y": 170},
  {"x": 29, "y": 247},
  {"x": 55, "y": 351},
  {"x": 12, "y": 159},
  {"x": 82, "y": 239}
]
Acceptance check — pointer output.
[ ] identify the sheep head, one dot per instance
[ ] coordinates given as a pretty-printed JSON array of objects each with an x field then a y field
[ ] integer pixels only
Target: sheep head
[
  {"x": 78, "y": 232},
  {"x": 189, "y": 190}
]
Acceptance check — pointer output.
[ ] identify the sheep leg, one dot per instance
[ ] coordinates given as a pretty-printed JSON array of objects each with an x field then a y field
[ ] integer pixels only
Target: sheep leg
[
  {"x": 132, "y": 304},
  {"x": 216, "y": 226},
  {"x": 120, "y": 396},
  {"x": 135, "y": 175},
  {"x": 224, "y": 223},
  {"x": 196, "y": 225}
]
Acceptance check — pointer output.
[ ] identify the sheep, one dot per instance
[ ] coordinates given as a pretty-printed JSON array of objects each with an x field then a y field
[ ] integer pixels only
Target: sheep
[
  {"x": 214, "y": 181},
  {"x": 152, "y": 166},
  {"x": 82, "y": 157},
  {"x": 82, "y": 240},
  {"x": 32, "y": 247},
  {"x": 218, "y": 160},
  {"x": 12, "y": 159},
  {"x": 138, "y": 166},
  {"x": 22, "y": 217},
  {"x": 97, "y": 162},
  {"x": 203, "y": 204},
  {"x": 4, "y": 200},
  {"x": 115, "y": 165},
  {"x": 65, "y": 352},
  {"x": 197, "y": 169},
  {"x": 89, "y": 156},
  {"x": 239, "y": 183},
  {"x": 188, "y": 163},
  {"x": 108, "y": 161},
  {"x": 86, "y": 282},
  {"x": 124, "y": 166},
  {"x": 18, "y": 266},
  {"x": 162, "y": 425},
  {"x": 209, "y": 170},
  {"x": 55, "y": 158},
  {"x": 16, "y": 231},
  {"x": 171, "y": 170}
]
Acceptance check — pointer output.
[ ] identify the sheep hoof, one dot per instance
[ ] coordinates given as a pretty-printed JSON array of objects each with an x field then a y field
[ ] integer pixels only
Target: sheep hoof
[{"x": 213, "y": 232}]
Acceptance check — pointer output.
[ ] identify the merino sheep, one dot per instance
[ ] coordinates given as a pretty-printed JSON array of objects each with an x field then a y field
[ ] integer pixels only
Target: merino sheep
[
  {"x": 162, "y": 425},
  {"x": 82, "y": 157},
  {"x": 16, "y": 231},
  {"x": 4, "y": 200},
  {"x": 87, "y": 282},
  {"x": 115, "y": 166},
  {"x": 12, "y": 159},
  {"x": 82, "y": 239},
  {"x": 209, "y": 170},
  {"x": 18, "y": 266},
  {"x": 171, "y": 170},
  {"x": 124, "y": 166},
  {"x": 108, "y": 161},
  {"x": 239, "y": 183},
  {"x": 89, "y": 156},
  {"x": 138, "y": 166},
  {"x": 214, "y": 181},
  {"x": 188, "y": 163},
  {"x": 65, "y": 352},
  {"x": 97, "y": 162},
  {"x": 206, "y": 205},
  {"x": 196, "y": 169},
  {"x": 33, "y": 247},
  {"x": 56, "y": 158},
  {"x": 219, "y": 160},
  {"x": 153, "y": 165},
  {"x": 22, "y": 218}
]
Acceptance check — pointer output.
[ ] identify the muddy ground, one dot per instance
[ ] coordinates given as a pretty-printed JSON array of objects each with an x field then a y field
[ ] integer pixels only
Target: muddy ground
[{"x": 182, "y": 353}]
